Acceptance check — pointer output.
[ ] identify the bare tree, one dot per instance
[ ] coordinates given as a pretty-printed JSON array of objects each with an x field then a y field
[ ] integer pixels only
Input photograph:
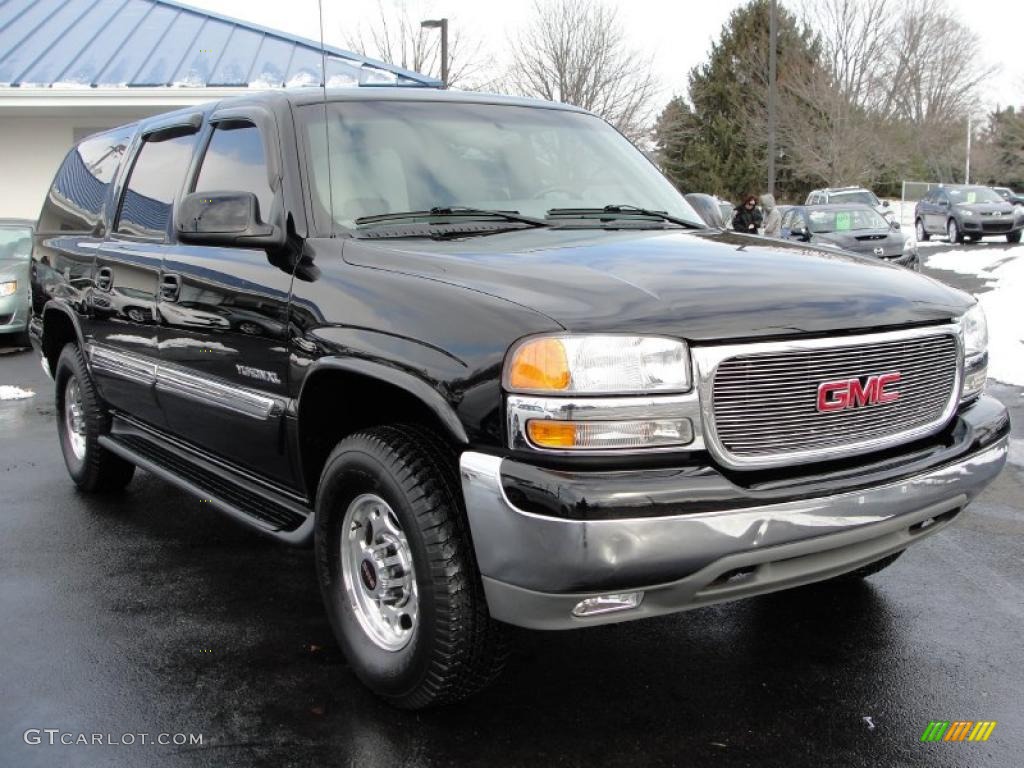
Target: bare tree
[
  {"x": 575, "y": 51},
  {"x": 855, "y": 37},
  {"x": 397, "y": 38}
]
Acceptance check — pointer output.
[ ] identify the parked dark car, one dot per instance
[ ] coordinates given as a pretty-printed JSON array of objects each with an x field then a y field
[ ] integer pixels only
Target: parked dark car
[
  {"x": 852, "y": 227},
  {"x": 959, "y": 211},
  {"x": 505, "y": 374},
  {"x": 710, "y": 209},
  {"x": 1015, "y": 198},
  {"x": 15, "y": 258}
]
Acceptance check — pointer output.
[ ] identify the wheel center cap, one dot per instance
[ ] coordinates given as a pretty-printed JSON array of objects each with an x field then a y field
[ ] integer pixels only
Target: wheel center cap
[{"x": 368, "y": 574}]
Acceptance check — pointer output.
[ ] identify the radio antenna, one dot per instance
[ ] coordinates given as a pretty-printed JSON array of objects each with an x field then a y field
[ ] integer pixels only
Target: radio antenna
[{"x": 327, "y": 137}]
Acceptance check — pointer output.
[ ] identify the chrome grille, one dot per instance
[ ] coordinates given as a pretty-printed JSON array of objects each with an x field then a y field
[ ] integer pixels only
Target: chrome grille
[{"x": 763, "y": 409}]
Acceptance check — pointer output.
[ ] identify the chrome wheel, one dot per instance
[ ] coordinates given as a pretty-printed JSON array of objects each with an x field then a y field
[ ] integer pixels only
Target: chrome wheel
[
  {"x": 74, "y": 418},
  {"x": 377, "y": 571},
  {"x": 953, "y": 231}
]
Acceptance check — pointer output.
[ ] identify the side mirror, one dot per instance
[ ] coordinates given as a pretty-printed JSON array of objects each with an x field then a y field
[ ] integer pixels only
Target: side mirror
[
  {"x": 885, "y": 203},
  {"x": 894, "y": 225},
  {"x": 225, "y": 218},
  {"x": 801, "y": 233}
]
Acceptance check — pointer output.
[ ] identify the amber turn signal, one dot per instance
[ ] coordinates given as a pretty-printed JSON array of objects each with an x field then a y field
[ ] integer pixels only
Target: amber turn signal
[
  {"x": 540, "y": 364},
  {"x": 551, "y": 434}
]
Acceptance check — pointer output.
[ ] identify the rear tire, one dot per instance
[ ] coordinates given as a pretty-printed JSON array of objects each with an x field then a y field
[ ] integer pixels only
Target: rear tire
[
  {"x": 1013, "y": 237},
  {"x": 922, "y": 233},
  {"x": 81, "y": 419},
  {"x": 397, "y": 570}
]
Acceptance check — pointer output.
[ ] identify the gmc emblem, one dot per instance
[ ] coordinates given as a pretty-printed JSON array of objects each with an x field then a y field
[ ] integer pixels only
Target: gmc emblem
[{"x": 856, "y": 393}]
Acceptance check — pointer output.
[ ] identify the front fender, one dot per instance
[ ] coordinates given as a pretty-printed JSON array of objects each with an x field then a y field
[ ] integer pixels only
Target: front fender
[{"x": 395, "y": 376}]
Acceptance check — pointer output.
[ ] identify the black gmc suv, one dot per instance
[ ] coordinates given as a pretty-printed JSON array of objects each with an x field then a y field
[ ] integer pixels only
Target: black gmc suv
[{"x": 483, "y": 356}]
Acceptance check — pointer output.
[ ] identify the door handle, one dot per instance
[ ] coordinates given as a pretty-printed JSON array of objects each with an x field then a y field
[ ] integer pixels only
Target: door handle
[
  {"x": 104, "y": 278},
  {"x": 170, "y": 287}
]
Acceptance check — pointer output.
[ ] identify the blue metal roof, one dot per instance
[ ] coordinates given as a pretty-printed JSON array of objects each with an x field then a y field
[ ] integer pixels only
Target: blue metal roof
[{"x": 153, "y": 43}]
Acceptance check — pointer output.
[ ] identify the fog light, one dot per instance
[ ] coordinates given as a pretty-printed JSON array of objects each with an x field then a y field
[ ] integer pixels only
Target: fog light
[
  {"x": 595, "y": 435},
  {"x": 975, "y": 374},
  {"x": 595, "y": 606}
]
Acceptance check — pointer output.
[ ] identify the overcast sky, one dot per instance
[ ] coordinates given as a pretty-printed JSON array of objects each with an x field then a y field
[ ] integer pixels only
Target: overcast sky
[{"x": 677, "y": 33}]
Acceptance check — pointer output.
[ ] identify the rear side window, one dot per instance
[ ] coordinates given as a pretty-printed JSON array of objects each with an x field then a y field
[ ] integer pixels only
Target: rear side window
[
  {"x": 156, "y": 177},
  {"x": 78, "y": 197},
  {"x": 235, "y": 161}
]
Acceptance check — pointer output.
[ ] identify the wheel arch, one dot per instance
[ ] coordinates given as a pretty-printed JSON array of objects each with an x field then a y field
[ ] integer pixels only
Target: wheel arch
[
  {"x": 59, "y": 326},
  {"x": 375, "y": 394}
]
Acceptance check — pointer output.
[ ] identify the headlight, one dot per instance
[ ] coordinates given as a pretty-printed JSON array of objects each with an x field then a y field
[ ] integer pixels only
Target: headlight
[
  {"x": 975, "y": 338},
  {"x": 8, "y": 288},
  {"x": 598, "y": 365},
  {"x": 975, "y": 330},
  {"x": 966, "y": 212}
]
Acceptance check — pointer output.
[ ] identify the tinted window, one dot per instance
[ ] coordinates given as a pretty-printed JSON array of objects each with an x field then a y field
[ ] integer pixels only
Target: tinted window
[
  {"x": 155, "y": 179},
  {"x": 77, "y": 199},
  {"x": 235, "y": 161}
]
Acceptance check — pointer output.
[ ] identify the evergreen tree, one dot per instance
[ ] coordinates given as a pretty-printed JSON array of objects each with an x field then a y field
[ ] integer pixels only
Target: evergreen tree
[{"x": 716, "y": 143}]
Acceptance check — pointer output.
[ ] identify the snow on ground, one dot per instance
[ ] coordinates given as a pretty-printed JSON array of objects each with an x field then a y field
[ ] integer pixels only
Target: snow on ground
[
  {"x": 1002, "y": 270},
  {"x": 14, "y": 393}
]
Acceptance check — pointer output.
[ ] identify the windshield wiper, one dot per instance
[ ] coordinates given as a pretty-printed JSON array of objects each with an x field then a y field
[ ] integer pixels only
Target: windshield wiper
[
  {"x": 454, "y": 210},
  {"x": 625, "y": 209}
]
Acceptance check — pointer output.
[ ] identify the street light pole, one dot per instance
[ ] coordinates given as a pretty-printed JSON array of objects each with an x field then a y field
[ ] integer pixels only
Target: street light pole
[
  {"x": 441, "y": 24},
  {"x": 967, "y": 167}
]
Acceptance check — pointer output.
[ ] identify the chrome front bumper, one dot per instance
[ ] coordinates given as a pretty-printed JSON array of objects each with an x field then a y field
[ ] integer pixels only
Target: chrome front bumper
[{"x": 536, "y": 569}]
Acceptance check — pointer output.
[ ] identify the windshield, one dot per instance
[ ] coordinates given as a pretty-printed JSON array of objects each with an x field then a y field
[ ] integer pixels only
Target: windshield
[
  {"x": 15, "y": 243},
  {"x": 969, "y": 195},
  {"x": 394, "y": 156},
  {"x": 856, "y": 196},
  {"x": 840, "y": 220}
]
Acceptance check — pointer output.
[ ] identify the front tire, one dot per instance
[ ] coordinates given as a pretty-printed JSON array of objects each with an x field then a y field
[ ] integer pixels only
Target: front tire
[
  {"x": 953, "y": 232},
  {"x": 397, "y": 570},
  {"x": 1013, "y": 237},
  {"x": 922, "y": 233},
  {"x": 81, "y": 419}
]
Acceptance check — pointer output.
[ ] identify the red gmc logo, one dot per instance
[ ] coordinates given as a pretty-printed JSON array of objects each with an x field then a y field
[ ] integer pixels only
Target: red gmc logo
[{"x": 851, "y": 393}]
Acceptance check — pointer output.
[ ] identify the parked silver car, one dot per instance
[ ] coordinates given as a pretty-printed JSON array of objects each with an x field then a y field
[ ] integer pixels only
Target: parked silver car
[
  {"x": 15, "y": 258},
  {"x": 959, "y": 210}
]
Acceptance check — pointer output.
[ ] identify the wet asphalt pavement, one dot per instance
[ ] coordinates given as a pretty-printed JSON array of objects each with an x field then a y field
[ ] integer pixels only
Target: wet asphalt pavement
[{"x": 148, "y": 613}]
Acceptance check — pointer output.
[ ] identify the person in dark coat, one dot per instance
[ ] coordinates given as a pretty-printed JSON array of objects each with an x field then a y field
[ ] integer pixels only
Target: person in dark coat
[{"x": 747, "y": 218}]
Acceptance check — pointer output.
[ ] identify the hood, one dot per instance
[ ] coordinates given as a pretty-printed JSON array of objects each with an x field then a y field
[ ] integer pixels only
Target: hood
[
  {"x": 1001, "y": 207},
  {"x": 14, "y": 269},
  {"x": 767, "y": 202},
  {"x": 866, "y": 241},
  {"x": 701, "y": 286}
]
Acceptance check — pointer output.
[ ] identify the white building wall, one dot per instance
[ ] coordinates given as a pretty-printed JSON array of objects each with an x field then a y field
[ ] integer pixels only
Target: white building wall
[{"x": 31, "y": 150}]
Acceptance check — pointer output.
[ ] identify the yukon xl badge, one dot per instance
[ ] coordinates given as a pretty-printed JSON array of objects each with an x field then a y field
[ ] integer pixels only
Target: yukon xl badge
[
  {"x": 258, "y": 373},
  {"x": 858, "y": 392}
]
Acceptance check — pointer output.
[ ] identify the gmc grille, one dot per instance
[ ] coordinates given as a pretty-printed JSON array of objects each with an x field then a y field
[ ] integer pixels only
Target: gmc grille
[{"x": 765, "y": 406}]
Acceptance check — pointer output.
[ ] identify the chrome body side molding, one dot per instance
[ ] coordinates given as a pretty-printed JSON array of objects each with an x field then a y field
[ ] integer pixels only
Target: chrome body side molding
[{"x": 173, "y": 380}]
